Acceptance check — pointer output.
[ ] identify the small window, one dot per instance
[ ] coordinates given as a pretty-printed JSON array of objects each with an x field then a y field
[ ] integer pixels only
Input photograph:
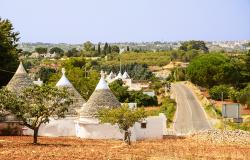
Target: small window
[{"x": 144, "y": 125}]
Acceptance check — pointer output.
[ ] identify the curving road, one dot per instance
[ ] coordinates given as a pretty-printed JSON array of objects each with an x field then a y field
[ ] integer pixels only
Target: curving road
[{"x": 189, "y": 116}]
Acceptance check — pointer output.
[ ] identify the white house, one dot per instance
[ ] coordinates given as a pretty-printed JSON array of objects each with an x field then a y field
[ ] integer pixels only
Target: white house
[
  {"x": 66, "y": 126},
  {"x": 88, "y": 126}
]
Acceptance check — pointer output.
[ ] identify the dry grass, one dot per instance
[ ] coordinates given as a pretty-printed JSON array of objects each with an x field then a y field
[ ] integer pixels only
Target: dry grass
[{"x": 73, "y": 148}]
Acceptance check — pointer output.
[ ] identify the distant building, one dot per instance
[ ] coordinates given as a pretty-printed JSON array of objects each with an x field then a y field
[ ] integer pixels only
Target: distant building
[
  {"x": 38, "y": 82},
  {"x": 132, "y": 85}
]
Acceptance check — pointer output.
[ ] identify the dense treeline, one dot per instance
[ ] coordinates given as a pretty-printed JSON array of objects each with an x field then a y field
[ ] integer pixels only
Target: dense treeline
[
  {"x": 135, "y": 70},
  {"x": 8, "y": 51},
  {"x": 225, "y": 76}
]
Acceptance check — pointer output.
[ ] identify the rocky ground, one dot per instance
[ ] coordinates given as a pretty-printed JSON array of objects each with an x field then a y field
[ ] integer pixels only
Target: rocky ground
[
  {"x": 171, "y": 147},
  {"x": 228, "y": 137}
]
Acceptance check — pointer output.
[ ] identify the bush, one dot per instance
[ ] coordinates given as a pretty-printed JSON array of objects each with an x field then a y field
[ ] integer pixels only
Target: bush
[
  {"x": 167, "y": 107},
  {"x": 142, "y": 99},
  {"x": 244, "y": 97},
  {"x": 234, "y": 95},
  {"x": 216, "y": 92}
]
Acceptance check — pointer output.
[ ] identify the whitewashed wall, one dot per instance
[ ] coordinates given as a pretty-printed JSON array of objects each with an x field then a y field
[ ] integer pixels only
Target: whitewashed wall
[
  {"x": 90, "y": 128},
  {"x": 56, "y": 128},
  {"x": 98, "y": 131},
  {"x": 155, "y": 128}
]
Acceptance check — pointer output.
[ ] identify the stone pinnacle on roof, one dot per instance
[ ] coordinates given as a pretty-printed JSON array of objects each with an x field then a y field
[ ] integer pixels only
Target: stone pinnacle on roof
[
  {"x": 20, "y": 80},
  {"x": 78, "y": 101},
  {"x": 64, "y": 80},
  {"x": 102, "y": 97},
  {"x": 102, "y": 83}
]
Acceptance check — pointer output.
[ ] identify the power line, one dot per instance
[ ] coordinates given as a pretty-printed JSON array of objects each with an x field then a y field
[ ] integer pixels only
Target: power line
[{"x": 6, "y": 71}]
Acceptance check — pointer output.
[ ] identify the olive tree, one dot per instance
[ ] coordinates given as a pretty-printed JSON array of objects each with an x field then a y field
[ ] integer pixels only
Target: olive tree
[
  {"x": 35, "y": 105},
  {"x": 124, "y": 117}
]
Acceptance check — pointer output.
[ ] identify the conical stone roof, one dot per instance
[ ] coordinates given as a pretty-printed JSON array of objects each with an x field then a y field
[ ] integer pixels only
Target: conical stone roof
[
  {"x": 102, "y": 97},
  {"x": 119, "y": 76},
  {"x": 111, "y": 75},
  {"x": 125, "y": 75},
  {"x": 19, "y": 81},
  {"x": 78, "y": 101}
]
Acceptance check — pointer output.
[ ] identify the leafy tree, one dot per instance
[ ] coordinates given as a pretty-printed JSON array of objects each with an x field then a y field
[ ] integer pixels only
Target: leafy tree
[
  {"x": 75, "y": 62},
  {"x": 128, "y": 49},
  {"x": 245, "y": 67},
  {"x": 142, "y": 99},
  {"x": 8, "y": 51},
  {"x": 83, "y": 78},
  {"x": 124, "y": 117},
  {"x": 106, "y": 49},
  {"x": 26, "y": 53},
  {"x": 115, "y": 49},
  {"x": 216, "y": 92},
  {"x": 245, "y": 96},
  {"x": 72, "y": 53},
  {"x": 234, "y": 95},
  {"x": 44, "y": 73},
  {"x": 177, "y": 74},
  {"x": 209, "y": 70},
  {"x": 196, "y": 45},
  {"x": 120, "y": 91},
  {"x": 99, "y": 49},
  {"x": 88, "y": 46},
  {"x": 57, "y": 50},
  {"x": 109, "y": 49},
  {"x": 41, "y": 50},
  {"x": 36, "y": 105}
]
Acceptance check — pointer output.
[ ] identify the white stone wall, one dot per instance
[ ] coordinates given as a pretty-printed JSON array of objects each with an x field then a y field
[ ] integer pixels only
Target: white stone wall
[
  {"x": 56, "y": 128},
  {"x": 98, "y": 131},
  {"x": 91, "y": 129},
  {"x": 155, "y": 128}
]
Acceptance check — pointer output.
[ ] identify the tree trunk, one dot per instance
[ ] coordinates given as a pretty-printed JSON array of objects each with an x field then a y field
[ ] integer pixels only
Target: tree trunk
[
  {"x": 127, "y": 137},
  {"x": 35, "y": 135}
]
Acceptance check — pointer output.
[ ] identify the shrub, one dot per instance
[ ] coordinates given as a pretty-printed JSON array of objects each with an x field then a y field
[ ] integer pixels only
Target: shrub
[
  {"x": 244, "y": 97},
  {"x": 168, "y": 108},
  {"x": 234, "y": 95},
  {"x": 142, "y": 99},
  {"x": 216, "y": 92}
]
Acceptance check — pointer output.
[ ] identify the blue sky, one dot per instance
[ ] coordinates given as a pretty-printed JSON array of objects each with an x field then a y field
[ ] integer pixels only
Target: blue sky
[{"x": 76, "y": 21}]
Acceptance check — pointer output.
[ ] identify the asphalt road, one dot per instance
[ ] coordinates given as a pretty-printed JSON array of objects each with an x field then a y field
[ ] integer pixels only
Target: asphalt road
[{"x": 189, "y": 116}]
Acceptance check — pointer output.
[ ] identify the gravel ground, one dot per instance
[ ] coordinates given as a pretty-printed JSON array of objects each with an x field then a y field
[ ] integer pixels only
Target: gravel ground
[{"x": 228, "y": 137}]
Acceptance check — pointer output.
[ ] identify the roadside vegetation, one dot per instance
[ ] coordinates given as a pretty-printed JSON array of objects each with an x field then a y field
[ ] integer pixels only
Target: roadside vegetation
[{"x": 168, "y": 107}]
